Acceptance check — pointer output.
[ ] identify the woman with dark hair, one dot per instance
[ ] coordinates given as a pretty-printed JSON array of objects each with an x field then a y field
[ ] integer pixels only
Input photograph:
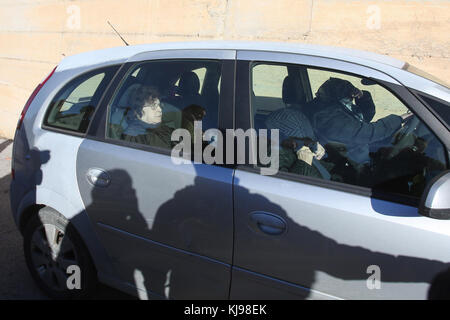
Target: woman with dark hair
[{"x": 145, "y": 125}]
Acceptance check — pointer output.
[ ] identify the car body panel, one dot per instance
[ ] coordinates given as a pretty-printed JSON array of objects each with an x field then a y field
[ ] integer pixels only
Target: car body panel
[
  {"x": 331, "y": 238},
  {"x": 205, "y": 248},
  {"x": 171, "y": 212},
  {"x": 180, "y": 216}
]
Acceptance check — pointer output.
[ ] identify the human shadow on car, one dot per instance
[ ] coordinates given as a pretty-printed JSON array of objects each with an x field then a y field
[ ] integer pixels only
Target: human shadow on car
[{"x": 158, "y": 269}]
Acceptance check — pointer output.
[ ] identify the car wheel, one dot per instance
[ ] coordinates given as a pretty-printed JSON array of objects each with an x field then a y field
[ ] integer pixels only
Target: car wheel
[{"x": 57, "y": 258}]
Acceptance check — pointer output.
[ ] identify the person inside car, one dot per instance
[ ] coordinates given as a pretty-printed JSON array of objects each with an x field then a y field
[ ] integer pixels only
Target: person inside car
[
  {"x": 338, "y": 119},
  {"x": 145, "y": 125},
  {"x": 300, "y": 151}
]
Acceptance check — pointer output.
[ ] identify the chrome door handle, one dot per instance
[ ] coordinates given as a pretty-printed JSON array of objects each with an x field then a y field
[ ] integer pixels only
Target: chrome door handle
[
  {"x": 267, "y": 223},
  {"x": 98, "y": 177}
]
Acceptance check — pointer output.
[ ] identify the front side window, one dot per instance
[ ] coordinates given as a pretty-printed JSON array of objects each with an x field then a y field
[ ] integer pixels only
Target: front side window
[
  {"x": 163, "y": 96},
  {"x": 72, "y": 108},
  {"x": 344, "y": 128}
]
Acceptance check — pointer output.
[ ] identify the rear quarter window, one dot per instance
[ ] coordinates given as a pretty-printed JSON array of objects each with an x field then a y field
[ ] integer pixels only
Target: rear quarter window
[{"x": 73, "y": 106}]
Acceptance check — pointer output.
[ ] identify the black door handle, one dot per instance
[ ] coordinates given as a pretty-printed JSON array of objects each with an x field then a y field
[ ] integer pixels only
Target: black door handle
[{"x": 267, "y": 223}]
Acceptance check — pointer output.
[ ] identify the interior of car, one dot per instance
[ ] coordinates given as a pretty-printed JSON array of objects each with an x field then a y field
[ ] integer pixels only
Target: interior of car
[{"x": 390, "y": 167}]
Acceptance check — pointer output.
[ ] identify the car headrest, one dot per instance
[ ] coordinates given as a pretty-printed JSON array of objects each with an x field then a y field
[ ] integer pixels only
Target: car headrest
[
  {"x": 125, "y": 99},
  {"x": 189, "y": 84},
  {"x": 293, "y": 92}
]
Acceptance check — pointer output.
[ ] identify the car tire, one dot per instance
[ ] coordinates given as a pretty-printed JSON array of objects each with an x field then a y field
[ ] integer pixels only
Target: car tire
[
  {"x": 440, "y": 286},
  {"x": 61, "y": 267}
]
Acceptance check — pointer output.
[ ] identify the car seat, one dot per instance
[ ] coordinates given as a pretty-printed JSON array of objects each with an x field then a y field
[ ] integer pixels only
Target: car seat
[
  {"x": 292, "y": 92},
  {"x": 119, "y": 112},
  {"x": 293, "y": 96}
]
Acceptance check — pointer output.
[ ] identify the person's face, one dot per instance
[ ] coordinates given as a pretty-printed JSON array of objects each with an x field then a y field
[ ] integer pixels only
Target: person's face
[
  {"x": 355, "y": 94},
  {"x": 347, "y": 102},
  {"x": 152, "y": 111}
]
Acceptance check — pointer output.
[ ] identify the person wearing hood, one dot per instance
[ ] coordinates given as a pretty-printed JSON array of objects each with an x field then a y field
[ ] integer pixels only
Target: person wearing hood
[{"x": 337, "y": 118}]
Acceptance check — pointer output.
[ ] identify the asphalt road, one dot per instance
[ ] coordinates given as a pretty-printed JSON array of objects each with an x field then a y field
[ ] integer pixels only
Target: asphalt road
[{"x": 15, "y": 280}]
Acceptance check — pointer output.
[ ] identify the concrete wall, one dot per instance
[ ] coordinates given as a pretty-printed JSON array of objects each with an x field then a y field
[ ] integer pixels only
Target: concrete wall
[{"x": 35, "y": 35}]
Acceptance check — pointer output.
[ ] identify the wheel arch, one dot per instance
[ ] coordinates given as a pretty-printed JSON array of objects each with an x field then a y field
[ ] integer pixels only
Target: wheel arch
[{"x": 35, "y": 200}]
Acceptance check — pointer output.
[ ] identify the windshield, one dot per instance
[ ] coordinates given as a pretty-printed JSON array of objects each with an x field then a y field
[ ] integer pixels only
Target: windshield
[{"x": 424, "y": 74}]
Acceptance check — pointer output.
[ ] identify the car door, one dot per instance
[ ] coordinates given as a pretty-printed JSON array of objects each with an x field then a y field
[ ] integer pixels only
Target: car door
[
  {"x": 166, "y": 226},
  {"x": 303, "y": 235}
]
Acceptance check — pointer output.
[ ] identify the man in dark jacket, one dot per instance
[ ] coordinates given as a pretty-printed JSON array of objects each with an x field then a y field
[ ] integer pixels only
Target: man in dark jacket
[{"x": 337, "y": 119}]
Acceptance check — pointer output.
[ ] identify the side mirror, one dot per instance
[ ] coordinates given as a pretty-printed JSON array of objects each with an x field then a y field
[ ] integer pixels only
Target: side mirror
[{"x": 435, "y": 201}]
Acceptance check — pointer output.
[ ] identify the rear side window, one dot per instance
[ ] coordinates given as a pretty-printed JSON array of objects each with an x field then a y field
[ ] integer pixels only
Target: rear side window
[
  {"x": 73, "y": 106},
  {"x": 165, "y": 95}
]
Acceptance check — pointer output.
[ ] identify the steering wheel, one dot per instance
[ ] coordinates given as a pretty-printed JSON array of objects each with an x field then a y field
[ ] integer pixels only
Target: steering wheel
[
  {"x": 403, "y": 138},
  {"x": 409, "y": 125}
]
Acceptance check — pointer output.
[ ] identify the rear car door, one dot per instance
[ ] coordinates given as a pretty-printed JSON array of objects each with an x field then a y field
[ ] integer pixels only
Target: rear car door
[
  {"x": 302, "y": 233},
  {"x": 166, "y": 226}
]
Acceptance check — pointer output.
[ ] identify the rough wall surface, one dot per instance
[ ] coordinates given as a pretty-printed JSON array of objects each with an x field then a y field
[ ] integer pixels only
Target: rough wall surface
[{"x": 35, "y": 35}]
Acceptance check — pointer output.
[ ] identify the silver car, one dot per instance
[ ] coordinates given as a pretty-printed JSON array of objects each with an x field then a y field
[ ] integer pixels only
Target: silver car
[{"x": 357, "y": 206}]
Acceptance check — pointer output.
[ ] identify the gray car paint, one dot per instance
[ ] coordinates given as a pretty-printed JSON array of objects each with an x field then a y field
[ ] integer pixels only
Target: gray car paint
[
  {"x": 156, "y": 217},
  {"x": 42, "y": 183},
  {"x": 438, "y": 196},
  {"x": 331, "y": 238},
  {"x": 180, "y": 216}
]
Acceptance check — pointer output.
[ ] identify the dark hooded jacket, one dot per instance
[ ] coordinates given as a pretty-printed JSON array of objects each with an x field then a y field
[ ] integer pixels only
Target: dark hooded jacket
[{"x": 334, "y": 122}]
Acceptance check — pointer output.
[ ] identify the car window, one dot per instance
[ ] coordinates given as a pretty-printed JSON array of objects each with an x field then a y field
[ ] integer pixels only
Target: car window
[
  {"x": 135, "y": 73},
  {"x": 267, "y": 88},
  {"x": 267, "y": 80},
  {"x": 84, "y": 92},
  {"x": 387, "y": 102},
  {"x": 147, "y": 111},
  {"x": 441, "y": 107},
  {"x": 353, "y": 131},
  {"x": 73, "y": 106},
  {"x": 200, "y": 72}
]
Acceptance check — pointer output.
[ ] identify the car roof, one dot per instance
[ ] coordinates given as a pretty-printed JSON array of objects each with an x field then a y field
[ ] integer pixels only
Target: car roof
[
  {"x": 388, "y": 65},
  {"x": 123, "y": 53}
]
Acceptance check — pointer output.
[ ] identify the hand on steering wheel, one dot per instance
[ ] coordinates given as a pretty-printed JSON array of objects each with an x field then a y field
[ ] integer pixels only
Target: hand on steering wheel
[{"x": 406, "y": 116}]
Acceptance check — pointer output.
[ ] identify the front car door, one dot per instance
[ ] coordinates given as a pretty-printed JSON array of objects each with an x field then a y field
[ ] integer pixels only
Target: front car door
[
  {"x": 167, "y": 227},
  {"x": 352, "y": 231}
]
